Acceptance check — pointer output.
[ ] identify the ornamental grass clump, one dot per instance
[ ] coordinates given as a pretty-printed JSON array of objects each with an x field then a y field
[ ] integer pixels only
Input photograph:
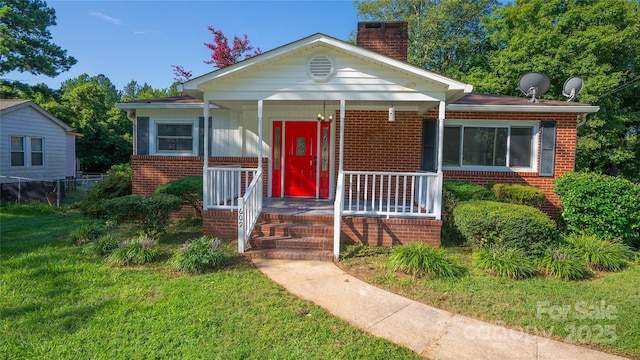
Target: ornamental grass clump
[
  {"x": 137, "y": 251},
  {"x": 564, "y": 263},
  {"x": 87, "y": 232},
  {"x": 419, "y": 259},
  {"x": 505, "y": 262},
  {"x": 104, "y": 245},
  {"x": 601, "y": 255},
  {"x": 198, "y": 255}
]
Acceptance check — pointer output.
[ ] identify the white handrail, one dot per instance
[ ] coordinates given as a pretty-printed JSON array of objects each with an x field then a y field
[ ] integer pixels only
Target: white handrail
[
  {"x": 249, "y": 208},
  {"x": 225, "y": 186}
]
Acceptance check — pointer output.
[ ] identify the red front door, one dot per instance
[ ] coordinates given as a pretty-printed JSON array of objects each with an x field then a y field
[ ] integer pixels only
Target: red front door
[{"x": 300, "y": 145}]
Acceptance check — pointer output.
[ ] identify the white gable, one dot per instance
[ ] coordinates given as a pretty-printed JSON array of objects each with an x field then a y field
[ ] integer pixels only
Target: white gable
[{"x": 358, "y": 74}]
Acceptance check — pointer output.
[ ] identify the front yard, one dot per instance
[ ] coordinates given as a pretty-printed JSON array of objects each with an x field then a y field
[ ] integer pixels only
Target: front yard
[
  {"x": 601, "y": 312},
  {"x": 57, "y": 302}
]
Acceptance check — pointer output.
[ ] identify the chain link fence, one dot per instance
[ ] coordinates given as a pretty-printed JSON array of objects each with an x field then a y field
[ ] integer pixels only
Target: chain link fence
[{"x": 22, "y": 189}]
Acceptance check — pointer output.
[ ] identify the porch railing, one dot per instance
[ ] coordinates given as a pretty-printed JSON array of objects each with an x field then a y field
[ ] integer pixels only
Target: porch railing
[
  {"x": 391, "y": 194},
  {"x": 249, "y": 208},
  {"x": 235, "y": 188},
  {"x": 225, "y": 185}
]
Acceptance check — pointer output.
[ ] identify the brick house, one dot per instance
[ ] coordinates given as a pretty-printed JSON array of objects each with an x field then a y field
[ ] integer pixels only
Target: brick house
[{"x": 323, "y": 139}]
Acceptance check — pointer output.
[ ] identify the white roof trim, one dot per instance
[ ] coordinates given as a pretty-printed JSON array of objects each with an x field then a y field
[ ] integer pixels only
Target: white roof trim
[
  {"x": 160, "y": 105},
  {"x": 586, "y": 109}
]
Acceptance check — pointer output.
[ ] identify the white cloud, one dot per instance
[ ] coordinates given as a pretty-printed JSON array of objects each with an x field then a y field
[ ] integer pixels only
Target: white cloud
[{"x": 106, "y": 18}]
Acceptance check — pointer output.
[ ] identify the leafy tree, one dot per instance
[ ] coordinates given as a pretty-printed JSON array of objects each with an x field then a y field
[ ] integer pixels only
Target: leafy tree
[
  {"x": 222, "y": 55},
  {"x": 133, "y": 91},
  {"x": 445, "y": 36},
  {"x": 86, "y": 103},
  {"x": 25, "y": 42},
  {"x": 598, "y": 40}
]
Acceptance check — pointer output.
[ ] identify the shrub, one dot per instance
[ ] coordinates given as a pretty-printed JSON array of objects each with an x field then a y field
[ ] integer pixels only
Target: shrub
[
  {"x": 519, "y": 194},
  {"x": 515, "y": 226},
  {"x": 601, "y": 205},
  {"x": 188, "y": 188},
  {"x": 454, "y": 192},
  {"x": 115, "y": 185},
  {"x": 137, "y": 251},
  {"x": 121, "y": 168},
  {"x": 87, "y": 232},
  {"x": 564, "y": 263},
  {"x": 151, "y": 212},
  {"x": 198, "y": 255},
  {"x": 600, "y": 254},
  {"x": 421, "y": 259},
  {"x": 506, "y": 262},
  {"x": 104, "y": 245}
]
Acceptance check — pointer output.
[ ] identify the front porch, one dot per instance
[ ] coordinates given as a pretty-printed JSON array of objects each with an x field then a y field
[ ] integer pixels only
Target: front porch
[{"x": 314, "y": 229}]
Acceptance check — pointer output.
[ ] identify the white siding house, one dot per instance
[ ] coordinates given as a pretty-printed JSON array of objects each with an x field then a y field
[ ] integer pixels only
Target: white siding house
[{"x": 34, "y": 144}]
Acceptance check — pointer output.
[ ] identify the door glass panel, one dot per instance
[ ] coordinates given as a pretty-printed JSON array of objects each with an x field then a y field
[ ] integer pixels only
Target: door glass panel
[
  {"x": 301, "y": 146},
  {"x": 276, "y": 150},
  {"x": 325, "y": 149}
]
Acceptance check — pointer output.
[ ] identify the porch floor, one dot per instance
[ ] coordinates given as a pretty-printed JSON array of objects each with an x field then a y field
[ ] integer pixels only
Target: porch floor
[{"x": 312, "y": 206}]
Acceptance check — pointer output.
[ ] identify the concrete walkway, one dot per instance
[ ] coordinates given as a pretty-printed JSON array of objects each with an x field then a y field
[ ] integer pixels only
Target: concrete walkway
[{"x": 430, "y": 332}]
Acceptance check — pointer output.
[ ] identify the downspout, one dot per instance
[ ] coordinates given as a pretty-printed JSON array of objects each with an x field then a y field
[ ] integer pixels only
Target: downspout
[{"x": 583, "y": 120}]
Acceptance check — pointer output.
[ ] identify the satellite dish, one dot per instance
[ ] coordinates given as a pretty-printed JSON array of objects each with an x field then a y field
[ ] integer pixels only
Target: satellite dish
[
  {"x": 534, "y": 84},
  {"x": 572, "y": 87}
]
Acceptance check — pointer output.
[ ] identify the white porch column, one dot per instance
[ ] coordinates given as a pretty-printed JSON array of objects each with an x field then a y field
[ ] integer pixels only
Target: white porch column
[
  {"x": 260, "y": 105},
  {"x": 205, "y": 175},
  {"x": 438, "y": 200},
  {"x": 337, "y": 210}
]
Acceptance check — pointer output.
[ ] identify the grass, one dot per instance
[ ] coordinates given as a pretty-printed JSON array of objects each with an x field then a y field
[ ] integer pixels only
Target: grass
[
  {"x": 58, "y": 302},
  {"x": 601, "y": 312}
]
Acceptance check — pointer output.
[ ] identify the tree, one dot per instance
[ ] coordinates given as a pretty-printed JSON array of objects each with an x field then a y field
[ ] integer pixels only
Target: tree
[
  {"x": 445, "y": 36},
  {"x": 222, "y": 55},
  {"x": 86, "y": 103},
  {"x": 133, "y": 91},
  {"x": 598, "y": 40},
  {"x": 25, "y": 42}
]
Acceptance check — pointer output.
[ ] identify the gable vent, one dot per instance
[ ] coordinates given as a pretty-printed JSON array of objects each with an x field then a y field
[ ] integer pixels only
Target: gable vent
[{"x": 320, "y": 68}]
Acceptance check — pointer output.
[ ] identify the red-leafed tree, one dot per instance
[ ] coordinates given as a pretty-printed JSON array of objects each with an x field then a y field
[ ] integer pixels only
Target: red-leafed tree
[{"x": 222, "y": 55}]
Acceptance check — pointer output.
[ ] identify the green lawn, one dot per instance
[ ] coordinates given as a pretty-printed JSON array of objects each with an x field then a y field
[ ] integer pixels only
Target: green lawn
[
  {"x": 58, "y": 303},
  {"x": 602, "y": 312}
]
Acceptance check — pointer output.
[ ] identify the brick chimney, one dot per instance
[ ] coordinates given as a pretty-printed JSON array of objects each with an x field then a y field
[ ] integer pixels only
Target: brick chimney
[{"x": 388, "y": 38}]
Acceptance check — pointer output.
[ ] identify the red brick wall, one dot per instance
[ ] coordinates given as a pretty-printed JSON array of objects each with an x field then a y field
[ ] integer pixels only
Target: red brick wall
[
  {"x": 149, "y": 172},
  {"x": 388, "y": 232},
  {"x": 565, "y": 155},
  {"x": 220, "y": 223},
  {"x": 375, "y": 144},
  {"x": 390, "y": 38}
]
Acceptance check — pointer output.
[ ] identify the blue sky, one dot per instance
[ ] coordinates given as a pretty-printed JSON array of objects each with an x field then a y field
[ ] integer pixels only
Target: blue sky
[{"x": 140, "y": 40}]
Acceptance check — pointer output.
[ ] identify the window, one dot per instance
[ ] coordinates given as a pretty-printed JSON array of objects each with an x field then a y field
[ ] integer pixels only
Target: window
[
  {"x": 22, "y": 146},
  {"x": 37, "y": 152},
  {"x": 17, "y": 151},
  {"x": 489, "y": 146},
  {"x": 175, "y": 137}
]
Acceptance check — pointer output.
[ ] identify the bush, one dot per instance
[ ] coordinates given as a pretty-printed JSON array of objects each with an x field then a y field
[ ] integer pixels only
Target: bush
[
  {"x": 514, "y": 226},
  {"x": 137, "y": 251},
  {"x": 104, "y": 245},
  {"x": 454, "y": 192},
  {"x": 151, "y": 212},
  {"x": 519, "y": 194},
  {"x": 600, "y": 254},
  {"x": 87, "y": 232},
  {"x": 564, "y": 263},
  {"x": 506, "y": 262},
  {"x": 120, "y": 168},
  {"x": 115, "y": 185},
  {"x": 601, "y": 205},
  {"x": 421, "y": 259},
  {"x": 188, "y": 188},
  {"x": 198, "y": 255}
]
